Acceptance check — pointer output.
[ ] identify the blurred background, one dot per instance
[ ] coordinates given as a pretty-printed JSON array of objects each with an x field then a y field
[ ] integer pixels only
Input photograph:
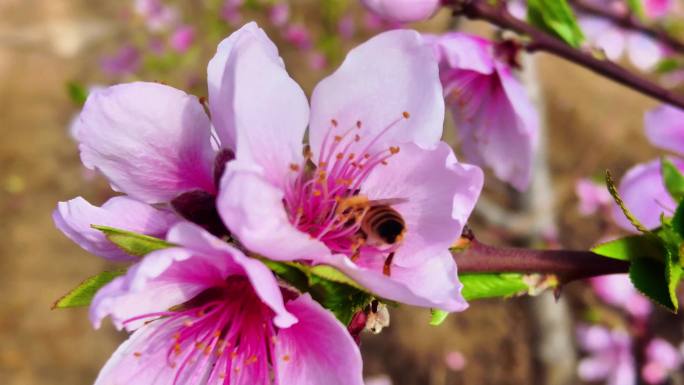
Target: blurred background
[{"x": 53, "y": 51}]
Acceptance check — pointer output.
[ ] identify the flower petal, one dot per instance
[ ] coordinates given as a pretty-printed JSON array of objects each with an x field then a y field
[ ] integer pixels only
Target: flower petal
[
  {"x": 665, "y": 128},
  {"x": 643, "y": 51},
  {"x": 316, "y": 350},
  {"x": 465, "y": 52},
  {"x": 264, "y": 283},
  {"x": 403, "y": 11},
  {"x": 75, "y": 217},
  {"x": 258, "y": 110},
  {"x": 430, "y": 181},
  {"x": 604, "y": 35},
  {"x": 496, "y": 123},
  {"x": 644, "y": 194},
  {"x": 434, "y": 283},
  {"x": 392, "y": 73},
  {"x": 144, "y": 359},
  {"x": 150, "y": 140},
  {"x": 170, "y": 277},
  {"x": 253, "y": 210}
]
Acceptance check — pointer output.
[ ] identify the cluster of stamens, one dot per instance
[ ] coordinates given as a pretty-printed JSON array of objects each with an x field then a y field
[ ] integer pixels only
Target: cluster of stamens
[
  {"x": 323, "y": 200},
  {"x": 225, "y": 329}
]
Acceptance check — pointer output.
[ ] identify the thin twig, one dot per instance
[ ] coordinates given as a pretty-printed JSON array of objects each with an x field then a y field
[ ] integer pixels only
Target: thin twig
[
  {"x": 542, "y": 41},
  {"x": 628, "y": 21}
]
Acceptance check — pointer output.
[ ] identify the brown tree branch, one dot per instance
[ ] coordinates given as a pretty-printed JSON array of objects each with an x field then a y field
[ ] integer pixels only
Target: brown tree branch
[
  {"x": 568, "y": 265},
  {"x": 542, "y": 41}
]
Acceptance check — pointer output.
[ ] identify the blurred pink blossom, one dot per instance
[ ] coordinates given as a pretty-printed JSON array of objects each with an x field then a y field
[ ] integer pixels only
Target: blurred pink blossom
[
  {"x": 279, "y": 14},
  {"x": 592, "y": 196},
  {"x": 610, "y": 356},
  {"x": 403, "y": 11},
  {"x": 617, "y": 290},
  {"x": 661, "y": 359},
  {"x": 231, "y": 13},
  {"x": 642, "y": 187},
  {"x": 346, "y": 27},
  {"x": 455, "y": 360},
  {"x": 317, "y": 60},
  {"x": 125, "y": 61},
  {"x": 642, "y": 51},
  {"x": 156, "y": 14},
  {"x": 656, "y": 9},
  {"x": 299, "y": 36},
  {"x": 182, "y": 38}
]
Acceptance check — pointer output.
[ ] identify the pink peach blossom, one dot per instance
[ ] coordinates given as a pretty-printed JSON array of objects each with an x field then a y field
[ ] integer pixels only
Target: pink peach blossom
[
  {"x": 374, "y": 129},
  {"x": 204, "y": 313},
  {"x": 403, "y": 11},
  {"x": 618, "y": 290},
  {"x": 610, "y": 357},
  {"x": 642, "y": 187},
  {"x": 496, "y": 122}
]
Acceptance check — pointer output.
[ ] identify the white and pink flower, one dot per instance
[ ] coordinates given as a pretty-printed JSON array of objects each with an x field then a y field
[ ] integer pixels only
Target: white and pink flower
[
  {"x": 642, "y": 188},
  {"x": 374, "y": 134},
  {"x": 204, "y": 313},
  {"x": 495, "y": 120}
]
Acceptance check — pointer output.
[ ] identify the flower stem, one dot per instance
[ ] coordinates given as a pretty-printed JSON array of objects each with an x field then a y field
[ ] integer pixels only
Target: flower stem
[
  {"x": 628, "y": 21},
  {"x": 567, "y": 265},
  {"x": 542, "y": 41}
]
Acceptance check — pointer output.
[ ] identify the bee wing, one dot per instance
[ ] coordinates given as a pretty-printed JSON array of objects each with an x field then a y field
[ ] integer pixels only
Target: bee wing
[{"x": 387, "y": 202}]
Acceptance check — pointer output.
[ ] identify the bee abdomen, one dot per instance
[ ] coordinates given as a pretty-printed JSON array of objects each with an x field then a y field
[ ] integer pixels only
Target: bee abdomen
[{"x": 385, "y": 223}]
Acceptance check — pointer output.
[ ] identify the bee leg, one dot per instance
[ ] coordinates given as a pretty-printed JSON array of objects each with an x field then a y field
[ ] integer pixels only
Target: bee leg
[
  {"x": 354, "y": 257},
  {"x": 387, "y": 267}
]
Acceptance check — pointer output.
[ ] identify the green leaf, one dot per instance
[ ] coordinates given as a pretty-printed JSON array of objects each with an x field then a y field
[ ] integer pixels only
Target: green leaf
[
  {"x": 84, "y": 293},
  {"x": 488, "y": 285},
  {"x": 77, "y": 93},
  {"x": 437, "y": 317},
  {"x": 343, "y": 300},
  {"x": 630, "y": 247},
  {"x": 293, "y": 273},
  {"x": 327, "y": 285},
  {"x": 636, "y": 7},
  {"x": 133, "y": 243},
  {"x": 667, "y": 65},
  {"x": 556, "y": 18},
  {"x": 649, "y": 276},
  {"x": 618, "y": 200},
  {"x": 678, "y": 224},
  {"x": 332, "y": 274},
  {"x": 672, "y": 178}
]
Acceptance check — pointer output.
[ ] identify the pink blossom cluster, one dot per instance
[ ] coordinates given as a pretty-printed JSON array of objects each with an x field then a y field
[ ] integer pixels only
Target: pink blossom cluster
[
  {"x": 611, "y": 357},
  {"x": 228, "y": 182}
]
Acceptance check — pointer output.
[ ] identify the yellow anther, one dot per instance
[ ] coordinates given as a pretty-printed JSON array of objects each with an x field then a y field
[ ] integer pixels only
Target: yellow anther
[
  {"x": 338, "y": 138},
  {"x": 394, "y": 150},
  {"x": 286, "y": 358},
  {"x": 352, "y": 155},
  {"x": 294, "y": 167},
  {"x": 316, "y": 193},
  {"x": 339, "y": 156},
  {"x": 406, "y": 115},
  {"x": 137, "y": 354}
]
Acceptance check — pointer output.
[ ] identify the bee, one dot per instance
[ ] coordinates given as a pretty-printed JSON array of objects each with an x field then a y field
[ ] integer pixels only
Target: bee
[{"x": 382, "y": 226}]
